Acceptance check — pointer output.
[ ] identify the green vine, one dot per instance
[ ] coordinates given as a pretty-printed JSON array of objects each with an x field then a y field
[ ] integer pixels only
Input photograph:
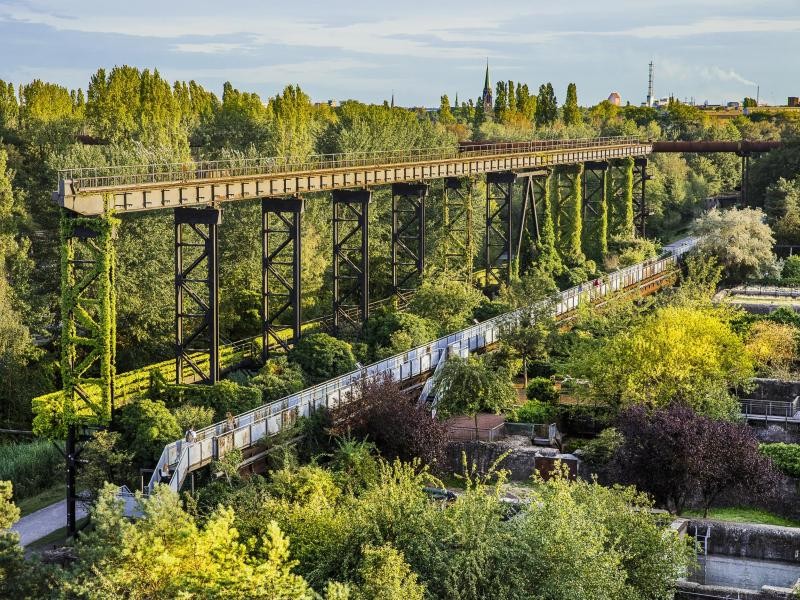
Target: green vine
[{"x": 548, "y": 260}]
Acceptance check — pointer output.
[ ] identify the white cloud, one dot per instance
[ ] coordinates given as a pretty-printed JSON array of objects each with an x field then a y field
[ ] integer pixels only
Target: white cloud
[
  {"x": 208, "y": 47},
  {"x": 715, "y": 26}
]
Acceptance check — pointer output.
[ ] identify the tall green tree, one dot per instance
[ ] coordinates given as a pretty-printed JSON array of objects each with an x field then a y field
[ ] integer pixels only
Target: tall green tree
[
  {"x": 546, "y": 106},
  {"x": 572, "y": 114},
  {"x": 445, "y": 113}
]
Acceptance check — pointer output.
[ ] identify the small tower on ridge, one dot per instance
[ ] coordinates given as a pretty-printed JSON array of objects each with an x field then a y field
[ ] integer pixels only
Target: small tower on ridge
[{"x": 486, "y": 97}]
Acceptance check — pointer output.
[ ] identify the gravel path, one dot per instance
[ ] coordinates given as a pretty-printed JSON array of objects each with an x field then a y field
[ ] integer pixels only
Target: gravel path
[{"x": 46, "y": 520}]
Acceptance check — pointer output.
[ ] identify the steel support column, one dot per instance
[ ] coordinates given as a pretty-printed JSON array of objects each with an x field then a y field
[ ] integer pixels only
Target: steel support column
[
  {"x": 595, "y": 209},
  {"x": 533, "y": 191},
  {"x": 280, "y": 272},
  {"x": 457, "y": 226},
  {"x": 408, "y": 235},
  {"x": 197, "y": 294},
  {"x": 640, "y": 178},
  {"x": 745, "y": 179},
  {"x": 350, "y": 256},
  {"x": 499, "y": 230}
]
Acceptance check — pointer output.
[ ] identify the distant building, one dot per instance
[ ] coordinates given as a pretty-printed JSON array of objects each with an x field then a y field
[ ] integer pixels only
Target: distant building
[
  {"x": 615, "y": 99},
  {"x": 794, "y": 101},
  {"x": 486, "y": 96},
  {"x": 735, "y": 105}
]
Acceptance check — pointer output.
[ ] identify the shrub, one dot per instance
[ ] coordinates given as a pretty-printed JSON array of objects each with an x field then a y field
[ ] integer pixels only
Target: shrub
[
  {"x": 195, "y": 417},
  {"x": 490, "y": 308},
  {"x": 533, "y": 411},
  {"x": 791, "y": 268},
  {"x": 322, "y": 356},
  {"x": 392, "y": 420},
  {"x": 542, "y": 389},
  {"x": 223, "y": 397},
  {"x": 446, "y": 302},
  {"x": 786, "y": 457},
  {"x": 147, "y": 426},
  {"x": 600, "y": 450},
  {"x": 30, "y": 466},
  {"x": 279, "y": 378}
]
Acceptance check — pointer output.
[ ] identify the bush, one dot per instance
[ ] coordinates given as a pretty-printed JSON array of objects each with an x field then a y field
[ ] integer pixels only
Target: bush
[
  {"x": 533, "y": 411},
  {"x": 279, "y": 378},
  {"x": 446, "y": 302},
  {"x": 600, "y": 450},
  {"x": 490, "y": 308},
  {"x": 786, "y": 457},
  {"x": 147, "y": 426},
  {"x": 542, "y": 389},
  {"x": 30, "y": 466},
  {"x": 791, "y": 268},
  {"x": 322, "y": 356},
  {"x": 194, "y": 417},
  {"x": 223, "y": 397}
]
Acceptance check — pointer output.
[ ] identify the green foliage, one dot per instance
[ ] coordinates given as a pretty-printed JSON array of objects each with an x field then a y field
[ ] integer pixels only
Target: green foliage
[
  {"x": 677, "y": 353},
  {"x": 105, "y": 462},
  {"x": 533, "y": 411},
  {"x": 30, "y": 466},
  {"x": 322, "y": 356},
  {"x": 389, "y": 332},
  {"x": 740, "y": 241},
  {"x": 445, "y": 301},
  {"x": 468, "y": 386},
  {"x": 546, "y": 106},
  {"x": 279, "y": 378},
  {"x": 195, "y": 417},
  {"x": 786, "y": 457},
  {"x": 147, "y": 426},
  {"x": 791, "y": 268},
  {"x": 572, "y": 114},
  {"x": 548, "y": 259},
  {"x": 223, "y": 397},
  {"x": 599, "y": 451},
  {"x": 541, "y": 388},
  {"x": 385, "y": 575}
]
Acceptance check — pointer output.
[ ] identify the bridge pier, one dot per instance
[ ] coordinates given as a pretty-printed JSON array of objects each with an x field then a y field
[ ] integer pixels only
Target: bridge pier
[
  {"x": 595, "y": 209},
  {"x": 197, "y": 292},
  {"x": 534, "y": 188},
  {"x": 457, "y": 226},
  {"x": 499, "y": 227},
  {"x": 640, "y": 178},
  {"x": 408, "y": 235},
  {"x": 280, "y": 270},
  {"x": 350, "y": 256}
]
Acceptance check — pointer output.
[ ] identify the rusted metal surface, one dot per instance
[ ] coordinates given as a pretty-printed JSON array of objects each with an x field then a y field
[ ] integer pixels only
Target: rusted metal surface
[
  {"x": 152, "y": 187},
  {"x": 742, "y": 147}
]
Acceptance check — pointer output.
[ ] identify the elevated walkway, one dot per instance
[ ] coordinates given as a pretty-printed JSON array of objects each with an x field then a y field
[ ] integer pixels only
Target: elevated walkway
[{"x": 214, "y": 441}]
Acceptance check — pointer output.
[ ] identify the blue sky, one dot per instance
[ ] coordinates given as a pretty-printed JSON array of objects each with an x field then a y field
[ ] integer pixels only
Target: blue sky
[{"x": 711, "y": 50}]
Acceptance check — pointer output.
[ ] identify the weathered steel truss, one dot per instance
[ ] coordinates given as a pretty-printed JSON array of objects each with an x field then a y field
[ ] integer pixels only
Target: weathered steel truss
[
  {"x": 408, "y": 235},
  {"x": 499, "y": 229},
  {"x": 350, "y": 255},
  {"x": 640, "y": 178},
  {"x": 534, "y": 187},
  {"x": 595, "y": 209},
  {"x": 196, "y": 293},
  {"x": 457, "y": 244},
  {"x": 280, "y": 269}
]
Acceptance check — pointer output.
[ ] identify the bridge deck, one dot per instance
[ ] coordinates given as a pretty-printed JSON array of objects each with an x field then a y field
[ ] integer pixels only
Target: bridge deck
[{"x": 153, "y": 187}]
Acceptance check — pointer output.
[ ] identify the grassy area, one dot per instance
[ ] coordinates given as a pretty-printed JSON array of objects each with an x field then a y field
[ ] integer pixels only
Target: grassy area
[
  {"x": 44, "y": 498},
  {"x": 30, "y": 466},
  {"x": 739, "y": 514}
]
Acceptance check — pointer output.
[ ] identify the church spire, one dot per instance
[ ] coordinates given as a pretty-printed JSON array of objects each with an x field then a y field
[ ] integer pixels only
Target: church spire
[{"x": 487, "y": 87}]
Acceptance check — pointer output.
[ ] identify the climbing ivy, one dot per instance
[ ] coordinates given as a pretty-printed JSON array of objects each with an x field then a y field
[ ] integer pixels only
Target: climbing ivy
[
  {"x": 621, "y": 199},
  {"x": 549, "y": 260}
]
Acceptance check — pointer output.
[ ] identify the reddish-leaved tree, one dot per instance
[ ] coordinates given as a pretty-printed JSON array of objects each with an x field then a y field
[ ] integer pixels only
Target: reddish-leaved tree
[
  {"x": 394, "y": 421},
  {"x": 677, "y": 455}
]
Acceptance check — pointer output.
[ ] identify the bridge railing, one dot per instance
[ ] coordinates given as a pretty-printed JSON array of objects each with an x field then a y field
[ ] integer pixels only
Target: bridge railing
[
  {"x": 269, "y": 419},
  {"x": 142, "y": 174}
]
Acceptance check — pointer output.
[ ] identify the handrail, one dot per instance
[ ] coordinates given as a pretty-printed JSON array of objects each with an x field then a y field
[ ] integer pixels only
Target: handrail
[
  {"x": 85, "y": 178},
  {"x": 271, "y": 418}
]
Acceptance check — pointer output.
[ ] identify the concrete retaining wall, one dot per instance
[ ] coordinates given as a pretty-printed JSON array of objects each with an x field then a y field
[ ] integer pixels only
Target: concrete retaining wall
[
  {"x": 522, "y": 461},
  {"x": 762, "y": 542},
  {"x": 775, "y": 389}
]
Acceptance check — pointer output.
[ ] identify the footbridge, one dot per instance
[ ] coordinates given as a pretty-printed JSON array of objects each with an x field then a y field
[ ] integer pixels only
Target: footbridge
[{"x": 182, "y": 457}]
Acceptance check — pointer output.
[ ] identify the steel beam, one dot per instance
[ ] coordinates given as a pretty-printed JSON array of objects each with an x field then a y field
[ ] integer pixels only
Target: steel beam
[
  {"x": 457, "y": 227},
  {"x": 533, "y": 191},
  {"x": 350, "y": 256},
  {"x": 595, "y": 208},
  {"x": 499, "y": 228},
  {"x": 197, "y": 294},
  {"x": 408, "y": 235},
  {"x": 640, "y": 178},
  {"x": 280, "y": 272}
]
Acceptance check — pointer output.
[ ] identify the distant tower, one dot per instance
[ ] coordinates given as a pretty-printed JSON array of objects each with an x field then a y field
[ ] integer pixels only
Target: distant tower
[
  {"x": 392, "y": 104},
  {"x": 650, "y": 87},
  {"x": 486, "y": 97}
]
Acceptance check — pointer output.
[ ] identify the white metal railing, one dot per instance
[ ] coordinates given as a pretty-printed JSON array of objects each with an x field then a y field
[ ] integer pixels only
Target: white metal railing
[
  {"x": 269, "y": 419},
  {"x": 83, "y": 178},
  {"x": 783, "y": 409}
]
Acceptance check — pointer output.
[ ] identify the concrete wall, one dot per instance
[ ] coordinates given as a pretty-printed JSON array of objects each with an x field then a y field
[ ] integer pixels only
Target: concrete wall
[
  {"x": 522, "y": 461},
  {"x": 762, "y": 542},
  {"x": 775, "y": 389}
]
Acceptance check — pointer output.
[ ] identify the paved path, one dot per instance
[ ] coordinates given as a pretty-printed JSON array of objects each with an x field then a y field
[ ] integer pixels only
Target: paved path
[{"x": 46, "y": 520}]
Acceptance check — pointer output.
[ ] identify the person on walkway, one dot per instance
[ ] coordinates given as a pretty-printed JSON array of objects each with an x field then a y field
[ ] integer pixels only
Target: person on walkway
[
  {"x": 164, "y": 474},
  {"x": 191, "y": 435},
  {"x": 230, "y": 421}
]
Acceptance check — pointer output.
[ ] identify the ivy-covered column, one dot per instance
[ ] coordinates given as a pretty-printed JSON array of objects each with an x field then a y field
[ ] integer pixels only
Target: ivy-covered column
[
  {"x": 88, "y": 312},
  {"x": 568, "y": 212},
  {"x": 595, "y": 210},
  {"x": 621, "y": 198},
  {"x": 548, "y": 259}
]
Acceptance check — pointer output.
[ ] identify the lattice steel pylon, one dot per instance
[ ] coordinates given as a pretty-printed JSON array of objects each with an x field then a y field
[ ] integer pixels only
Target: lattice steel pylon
[
  {"x": 595, "y": 209},
  {"x": 498, "y": 258},
  {"x": 534, "y": 188},
  {"x": 197, "y": 294},
  {"x": 281, "y": 263},
  {"x": 640, "y": 178},
  {"x": 88, "y": 335},
  {"x": 350, "y": 256},
  {"x": 567, "y": 209},
  {"x": 408, "y": 235},
  {"x": 457, "y": 251}
]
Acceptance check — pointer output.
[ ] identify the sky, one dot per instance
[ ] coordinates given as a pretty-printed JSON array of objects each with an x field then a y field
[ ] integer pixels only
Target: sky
[{"x": 708, "y": 50}]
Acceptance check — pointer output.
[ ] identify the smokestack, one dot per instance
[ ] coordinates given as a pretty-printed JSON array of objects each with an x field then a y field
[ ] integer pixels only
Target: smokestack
[{"x": 650, "y": 87}]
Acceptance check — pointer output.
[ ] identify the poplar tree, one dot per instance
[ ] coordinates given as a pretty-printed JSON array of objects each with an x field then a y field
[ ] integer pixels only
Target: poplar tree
[
  {"x": 9, "y": 109},
  {"x": 445, "y": 114},
  {"x": 546, "y": 106},
  {"x": 572, "y": 114},
  {"x": 501, "y": 101}
]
